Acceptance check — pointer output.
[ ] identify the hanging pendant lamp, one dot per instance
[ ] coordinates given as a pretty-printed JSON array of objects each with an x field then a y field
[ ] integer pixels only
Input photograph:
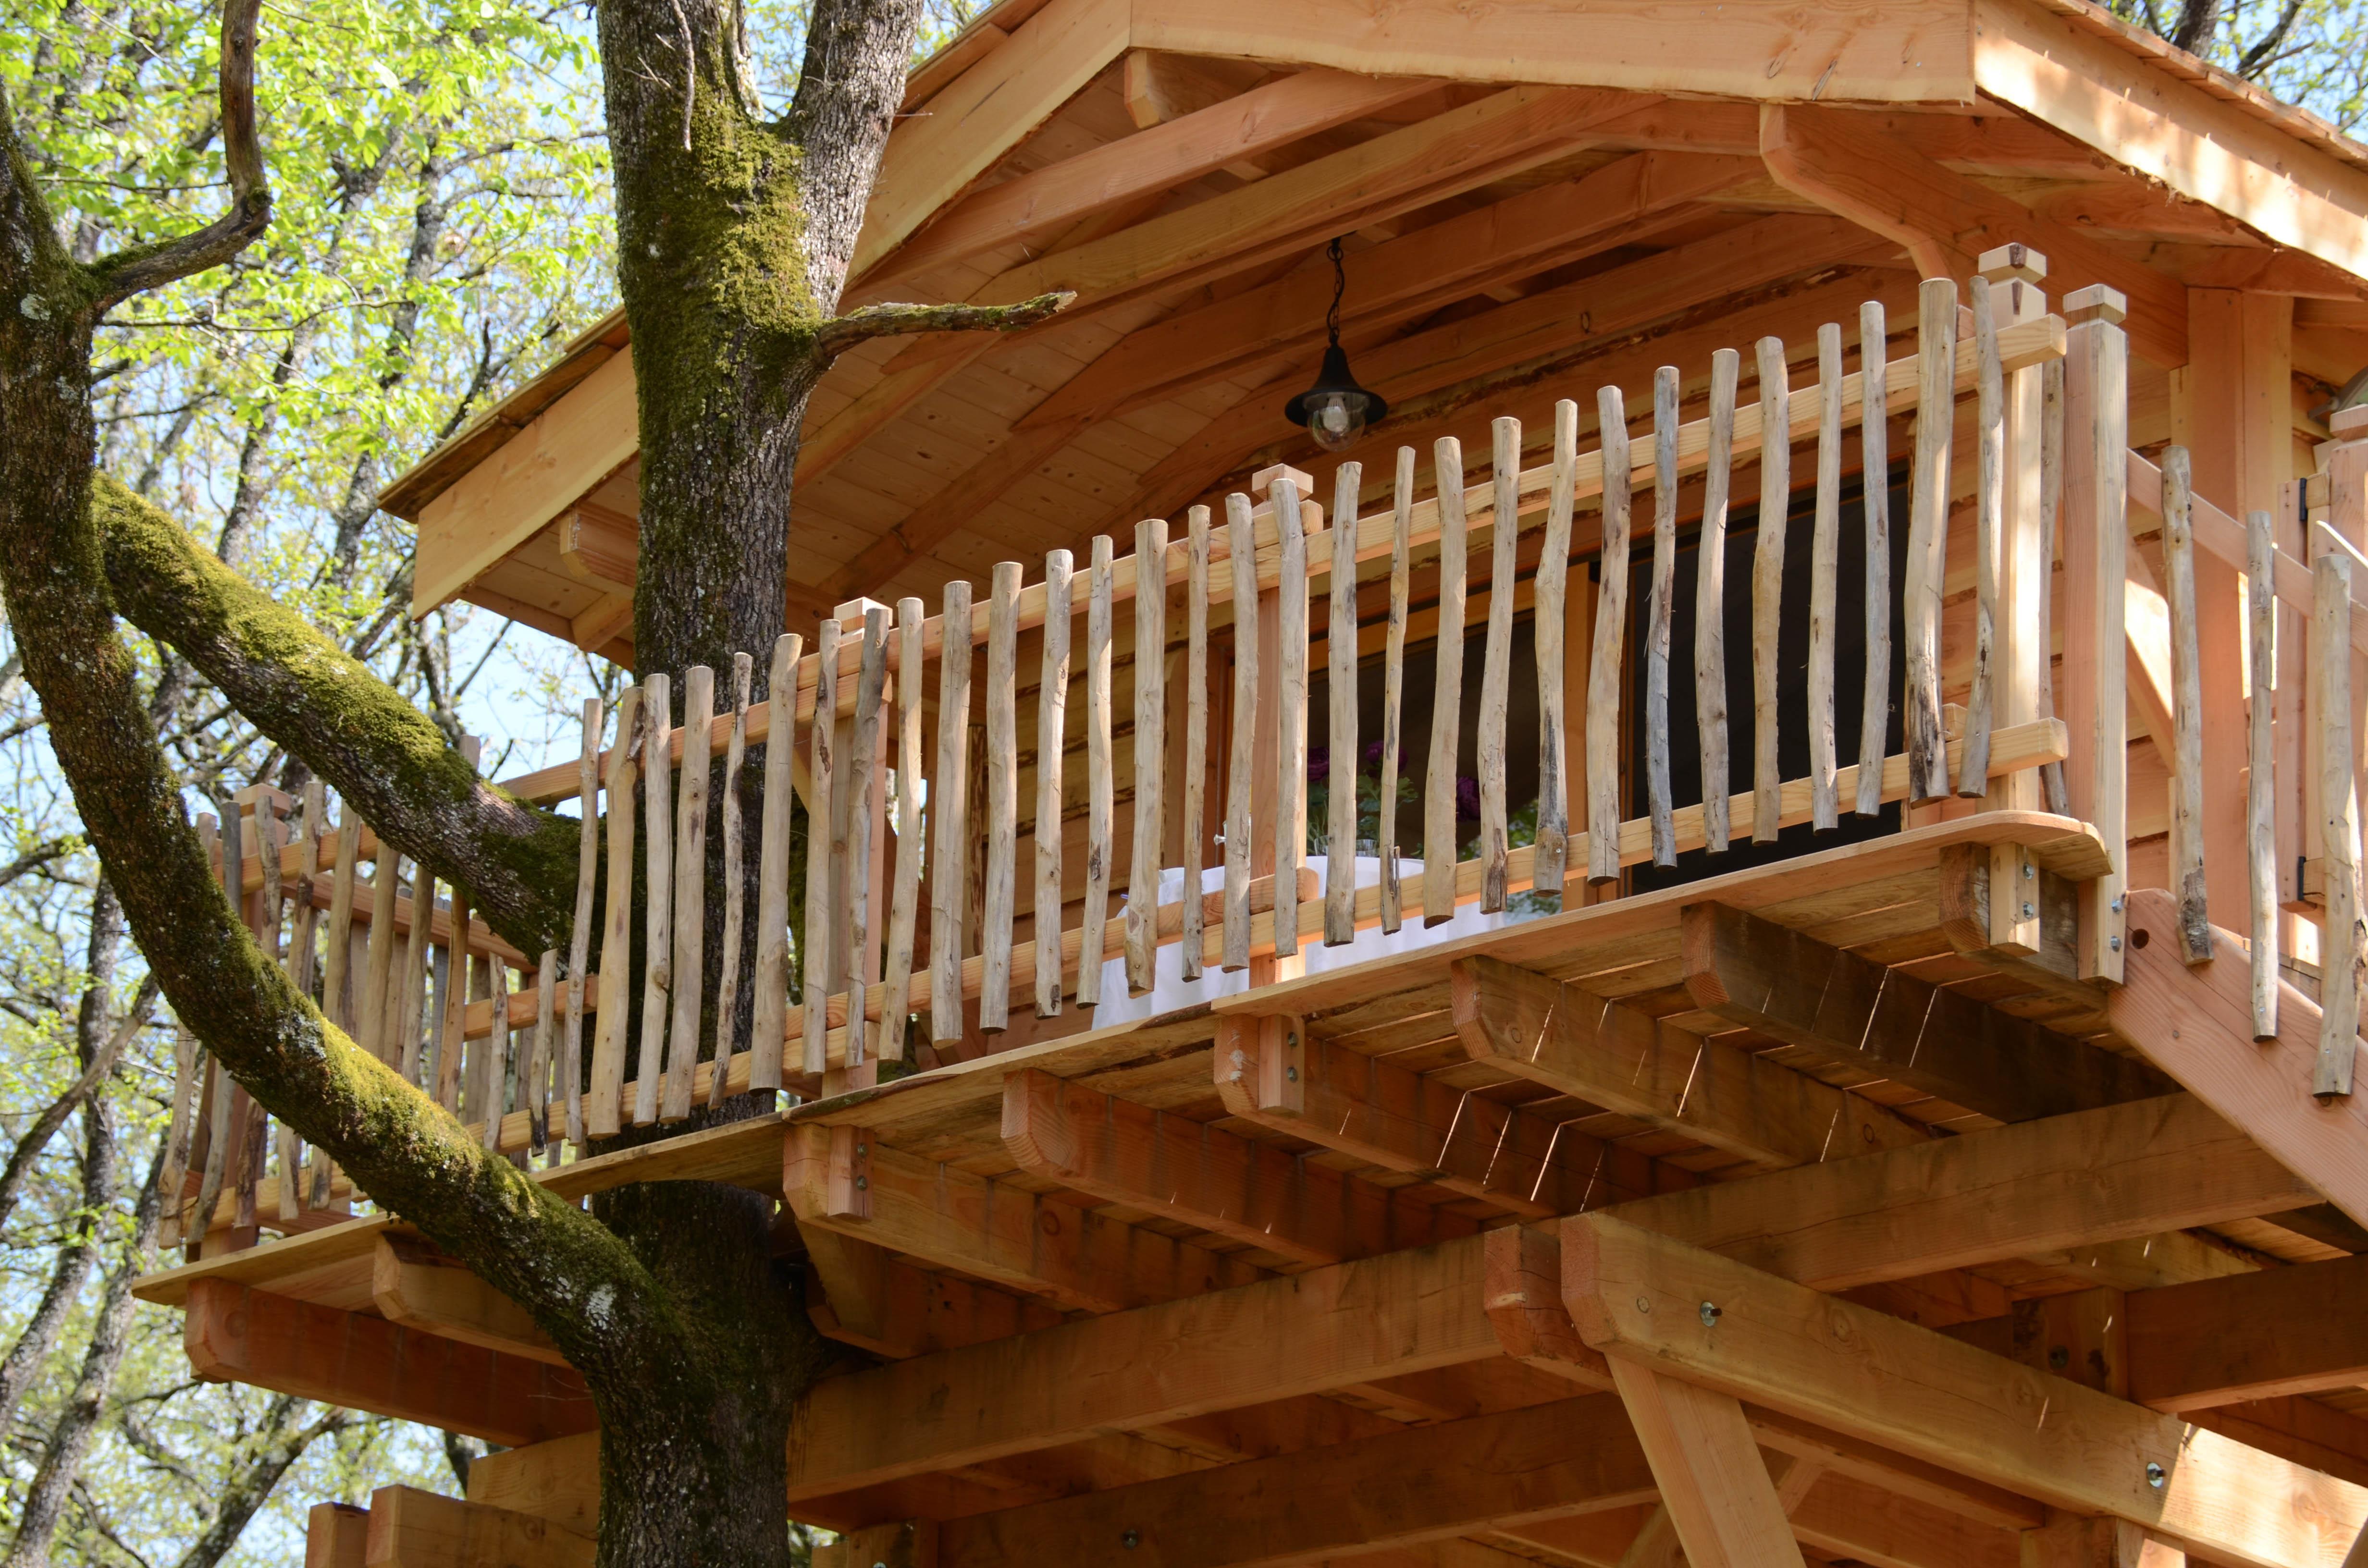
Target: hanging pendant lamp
[{"x": 1336, "y": 410}]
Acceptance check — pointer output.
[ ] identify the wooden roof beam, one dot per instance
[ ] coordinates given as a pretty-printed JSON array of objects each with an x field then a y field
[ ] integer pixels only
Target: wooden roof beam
[
  {"x": 1711, "y": 1320},
  {"x": 2197, "y": 142},
  {"x": 2245, "y": 1336},
  {"x": 2196, "y": 1024},
  {"x": 1610, "y": 1054},
  {"x": 1720, "y": 1500},
  {"x": 233, "y": 1334},
  {"x": 1255, "y": 1193},
  {"x": 1947, "y": 219},
  {"x": 1044, "y": 203},
  {"x": 1853, "y": 1009}
]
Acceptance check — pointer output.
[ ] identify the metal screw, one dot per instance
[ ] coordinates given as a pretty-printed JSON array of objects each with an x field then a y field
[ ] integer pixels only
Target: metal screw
[
  {"x": 1292, "y": 1073},
  {"x": 2117, "y": 905},
  {"x": 2028, "y": 911},
  {"x": 2116, "y": 943},
  {"x": 861, "y": 1182},
  {"x": 2059, "y": 1358},
  {"x": 862, "y": 1150},
  {"x": 2029, "y": 870},
  {"x": 1130, "y": 1539},
  {"x": 1644, "y": 1304},
  {"x": 2155, "y": 1476},
  {"x": 1710, "y": 1314}
]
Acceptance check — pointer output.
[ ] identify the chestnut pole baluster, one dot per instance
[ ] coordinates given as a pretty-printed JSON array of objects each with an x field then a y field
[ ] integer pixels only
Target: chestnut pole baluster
[
  {"x": 1550, "y": 862},
  {"x": 1196, "y": 741},
  {"x": 1662, "y": 612},
  {"x": 1874, "y": 716},
  {"x": 736, "y": 893},
  {"x": 1393, "y": 688},
  {"x": 948, "y": 788},
  {"x": 1242, "y": 538},
  {"x": 904, "y": 910},
  {"x": 815, "y": 948},
  {"x": 1051, "y": 729},
  {"x": 1603, "y": 671},
  {"x": 1710, "y": 601},
  {"x": 1340, "y": 684},
  {"x": 1002, "y": 796},
  {"x": 1150, "y": 753},
  {"x": 1824, "y": 807},
  {"x": 1439, "y": 845},
  {"x": 1098, "y": 784},
  {"x": 1768, "y": 582}
]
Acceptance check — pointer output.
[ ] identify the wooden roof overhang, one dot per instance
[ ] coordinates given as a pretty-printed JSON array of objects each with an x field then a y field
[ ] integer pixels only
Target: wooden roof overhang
[{"x": 1532, "y": 198}]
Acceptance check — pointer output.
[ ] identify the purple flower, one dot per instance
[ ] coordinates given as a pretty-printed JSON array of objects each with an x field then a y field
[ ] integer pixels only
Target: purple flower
[
  {"x": 1372, "y": 754},
  {"x": 1319, "y": 764},
  {"x": 1467, "y": 797}
]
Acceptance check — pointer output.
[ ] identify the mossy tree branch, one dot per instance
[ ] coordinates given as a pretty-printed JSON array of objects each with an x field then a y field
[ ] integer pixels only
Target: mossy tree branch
[
  {"x": 839, "y": 334},
  {"x": 387, "y": 758}
]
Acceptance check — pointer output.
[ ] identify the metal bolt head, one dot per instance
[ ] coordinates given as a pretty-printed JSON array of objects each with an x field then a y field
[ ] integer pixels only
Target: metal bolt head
[
  {"x": 1292, "y": 1073},
  {"x": 862, "y": 1150},
  {"x": 2117, "y": 903},
  {"x": 2027, "y": 911},
  {"x": 2116, "y": 943},
  {"x": 862, "y": 1183},
  {"x": 1710, "y": 1314},
  {"x": 2156, "y": 1478},
  {"x": 1130, "y": 1539},
  {"x": 2029, "y": 870},
  {"x": 2059, "y": 1358},
  {"x": 1644, "y": 1304}
]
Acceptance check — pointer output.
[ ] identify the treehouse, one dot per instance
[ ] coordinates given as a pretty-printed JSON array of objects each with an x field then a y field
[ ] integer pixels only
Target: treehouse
[{"x": 1735, "y": 934}]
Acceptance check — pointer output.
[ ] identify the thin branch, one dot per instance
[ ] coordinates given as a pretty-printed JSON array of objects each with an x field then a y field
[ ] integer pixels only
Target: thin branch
[
  {"x": 135, "y": 271},
  {"x": 836, "y": 337}
]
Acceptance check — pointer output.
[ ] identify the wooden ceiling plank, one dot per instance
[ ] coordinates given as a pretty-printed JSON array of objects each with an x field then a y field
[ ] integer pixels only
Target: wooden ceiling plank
[
  {"x": 985, "y": 113},
  {"x": 1400, "y": 1488},
  {"x": 1712, "y": 1482},
  {"x": 1044, "y": 201},
  {"x": 2199, "y": 144},
  {"x": 1637, "y": 1295},
  {"x": 1215, "y": 1180},
  {"x": 1850, "y": 1008},
  {"x": 234, "y": 1333},
  {"x": 1395, "y": 173},
  {"x": 1946, "y": 219},
  {"x": 1610, "y": 1054},
  {"x": 2184, "y": 1020},
  {"x": 2121, "y": 1172},
  {"x": 1896, "y": 52}
]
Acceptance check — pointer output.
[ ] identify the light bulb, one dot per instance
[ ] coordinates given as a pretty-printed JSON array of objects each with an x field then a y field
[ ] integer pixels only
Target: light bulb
[{"x": 1337, "y": 419}]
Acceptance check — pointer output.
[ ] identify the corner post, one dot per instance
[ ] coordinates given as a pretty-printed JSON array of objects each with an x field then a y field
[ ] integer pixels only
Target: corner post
[{"x": 2095, "y": 523}]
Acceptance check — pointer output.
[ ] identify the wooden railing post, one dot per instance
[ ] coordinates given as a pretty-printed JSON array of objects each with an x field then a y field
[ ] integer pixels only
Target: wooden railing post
[
  {"x": 2096, "y": 549},
  {"x": 854, "y": 887},
  {"x": 2020, "y": 654},
  {"x": 1280, "y": 816}
]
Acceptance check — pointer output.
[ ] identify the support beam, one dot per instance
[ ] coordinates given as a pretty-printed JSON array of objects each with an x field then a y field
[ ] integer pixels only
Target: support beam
[
  {"x": 337, "y": 1535},
  {"x": 1947, "y": 219},
  {"x": 909, "y": 1543},
  {"x": 1398, "y": 1489},
  {"x": 233, "y": 1334},
  {"x": 1853, "y": 1009},
  {"x": 2197, "y": 1025},
  {"x": 2299, "y": 1330},
  {"x": 1353, "y": 1323},
  {"x": 2072, "y": 1541},
  {"x": 1903, "y": 52},
  {"x": 1256, "y": 1193},
  {"x": 1080, "y": 1260},
  {"x": 2100, "y": 1176},
  {"x": 1643, "y": 1297},
  {"x": 411, "y": 1529},
  {"x": 1372, "y": 1109},
  {"x": 415, "y": 1284},
  {"x": 558, "y": 1480},
  {"x": 1721, "y": 1503},
  {"x": 867, "y": 1296},
  {"x": 1611, "y": 1055}
]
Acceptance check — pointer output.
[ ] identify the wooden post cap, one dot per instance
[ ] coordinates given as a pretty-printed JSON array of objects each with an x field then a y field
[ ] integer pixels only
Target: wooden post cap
[
  {"x": 2350, "y": 422},
  {"x": 1263, "y": 480},
  {"x": 2011, "y": 264},
  {"x": 2097, "y": 302},
  {"x": 856, "y": 609}
]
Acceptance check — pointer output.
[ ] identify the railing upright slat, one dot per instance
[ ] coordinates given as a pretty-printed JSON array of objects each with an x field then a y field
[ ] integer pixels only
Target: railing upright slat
[
  {"x": 768, "y": 1013},
  {"x": 1052, "y": 738},
  {"x": 1438, "y": 847},
  {"x": 866, "y": 770},
  {"x": 376, "y": 1004},
  {"x": 1497, "y": 666},
  {"x": 1242, "y": 536},
  {"x": 1710, "y": 601},
  {"x": 1196, "y": 746},
  {"x": 1393, "y": 689},
  {"x": 579, "y": 935},
  {"x": 2052, "y": 794},
  {"x": 1875, "y": 714},
  {"x": 2261, "y": 784},
  {"x": 2345, "y": 945},
  {"x": 408, "y": 997},
  {"x": 657, "y": 928},
  {"x": 1603, "y": 670},
  {"x": 486, "y": 1099},
  {"x": 1768, "y": 582},
  {"x": 905, "y": 899},
  {"x": 1150, "y": 744},
  {"x": 949, "y": 792},
  {"x": 736, "y": 890},
  {"x": 1661, "y": 613},
  {"x": 601, "y": 1112},
  {"x": 815, "y": 945},
  {"x": 2187, "y": 708},
  {"x": 1098, "y": 784},
  {"x": 534, "y": 1083},
  {"x": 690, "y": 892},
  {"x": 2096, "y": 545},
  {"x": 1290, "y": 709},
  {"x": 340, "y": 988},
  {"x": 1551, "y": 857},
  {"x": 1928, "y": 537},
  {"x": 1990, "y": 542},
  {"x": 1340, "y": 641},
  {"x": 451, "y": 1047},
  {"x": 1824, "y": 553},
  {"x": 1002, "y": 794}
]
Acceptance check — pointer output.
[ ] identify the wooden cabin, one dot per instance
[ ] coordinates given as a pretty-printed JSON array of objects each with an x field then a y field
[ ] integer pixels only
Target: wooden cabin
[{"x": 1733, "y": 935}]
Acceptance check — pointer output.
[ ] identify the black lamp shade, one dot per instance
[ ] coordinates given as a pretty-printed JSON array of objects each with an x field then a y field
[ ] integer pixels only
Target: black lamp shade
[{"x": 1333, "y": 377}]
